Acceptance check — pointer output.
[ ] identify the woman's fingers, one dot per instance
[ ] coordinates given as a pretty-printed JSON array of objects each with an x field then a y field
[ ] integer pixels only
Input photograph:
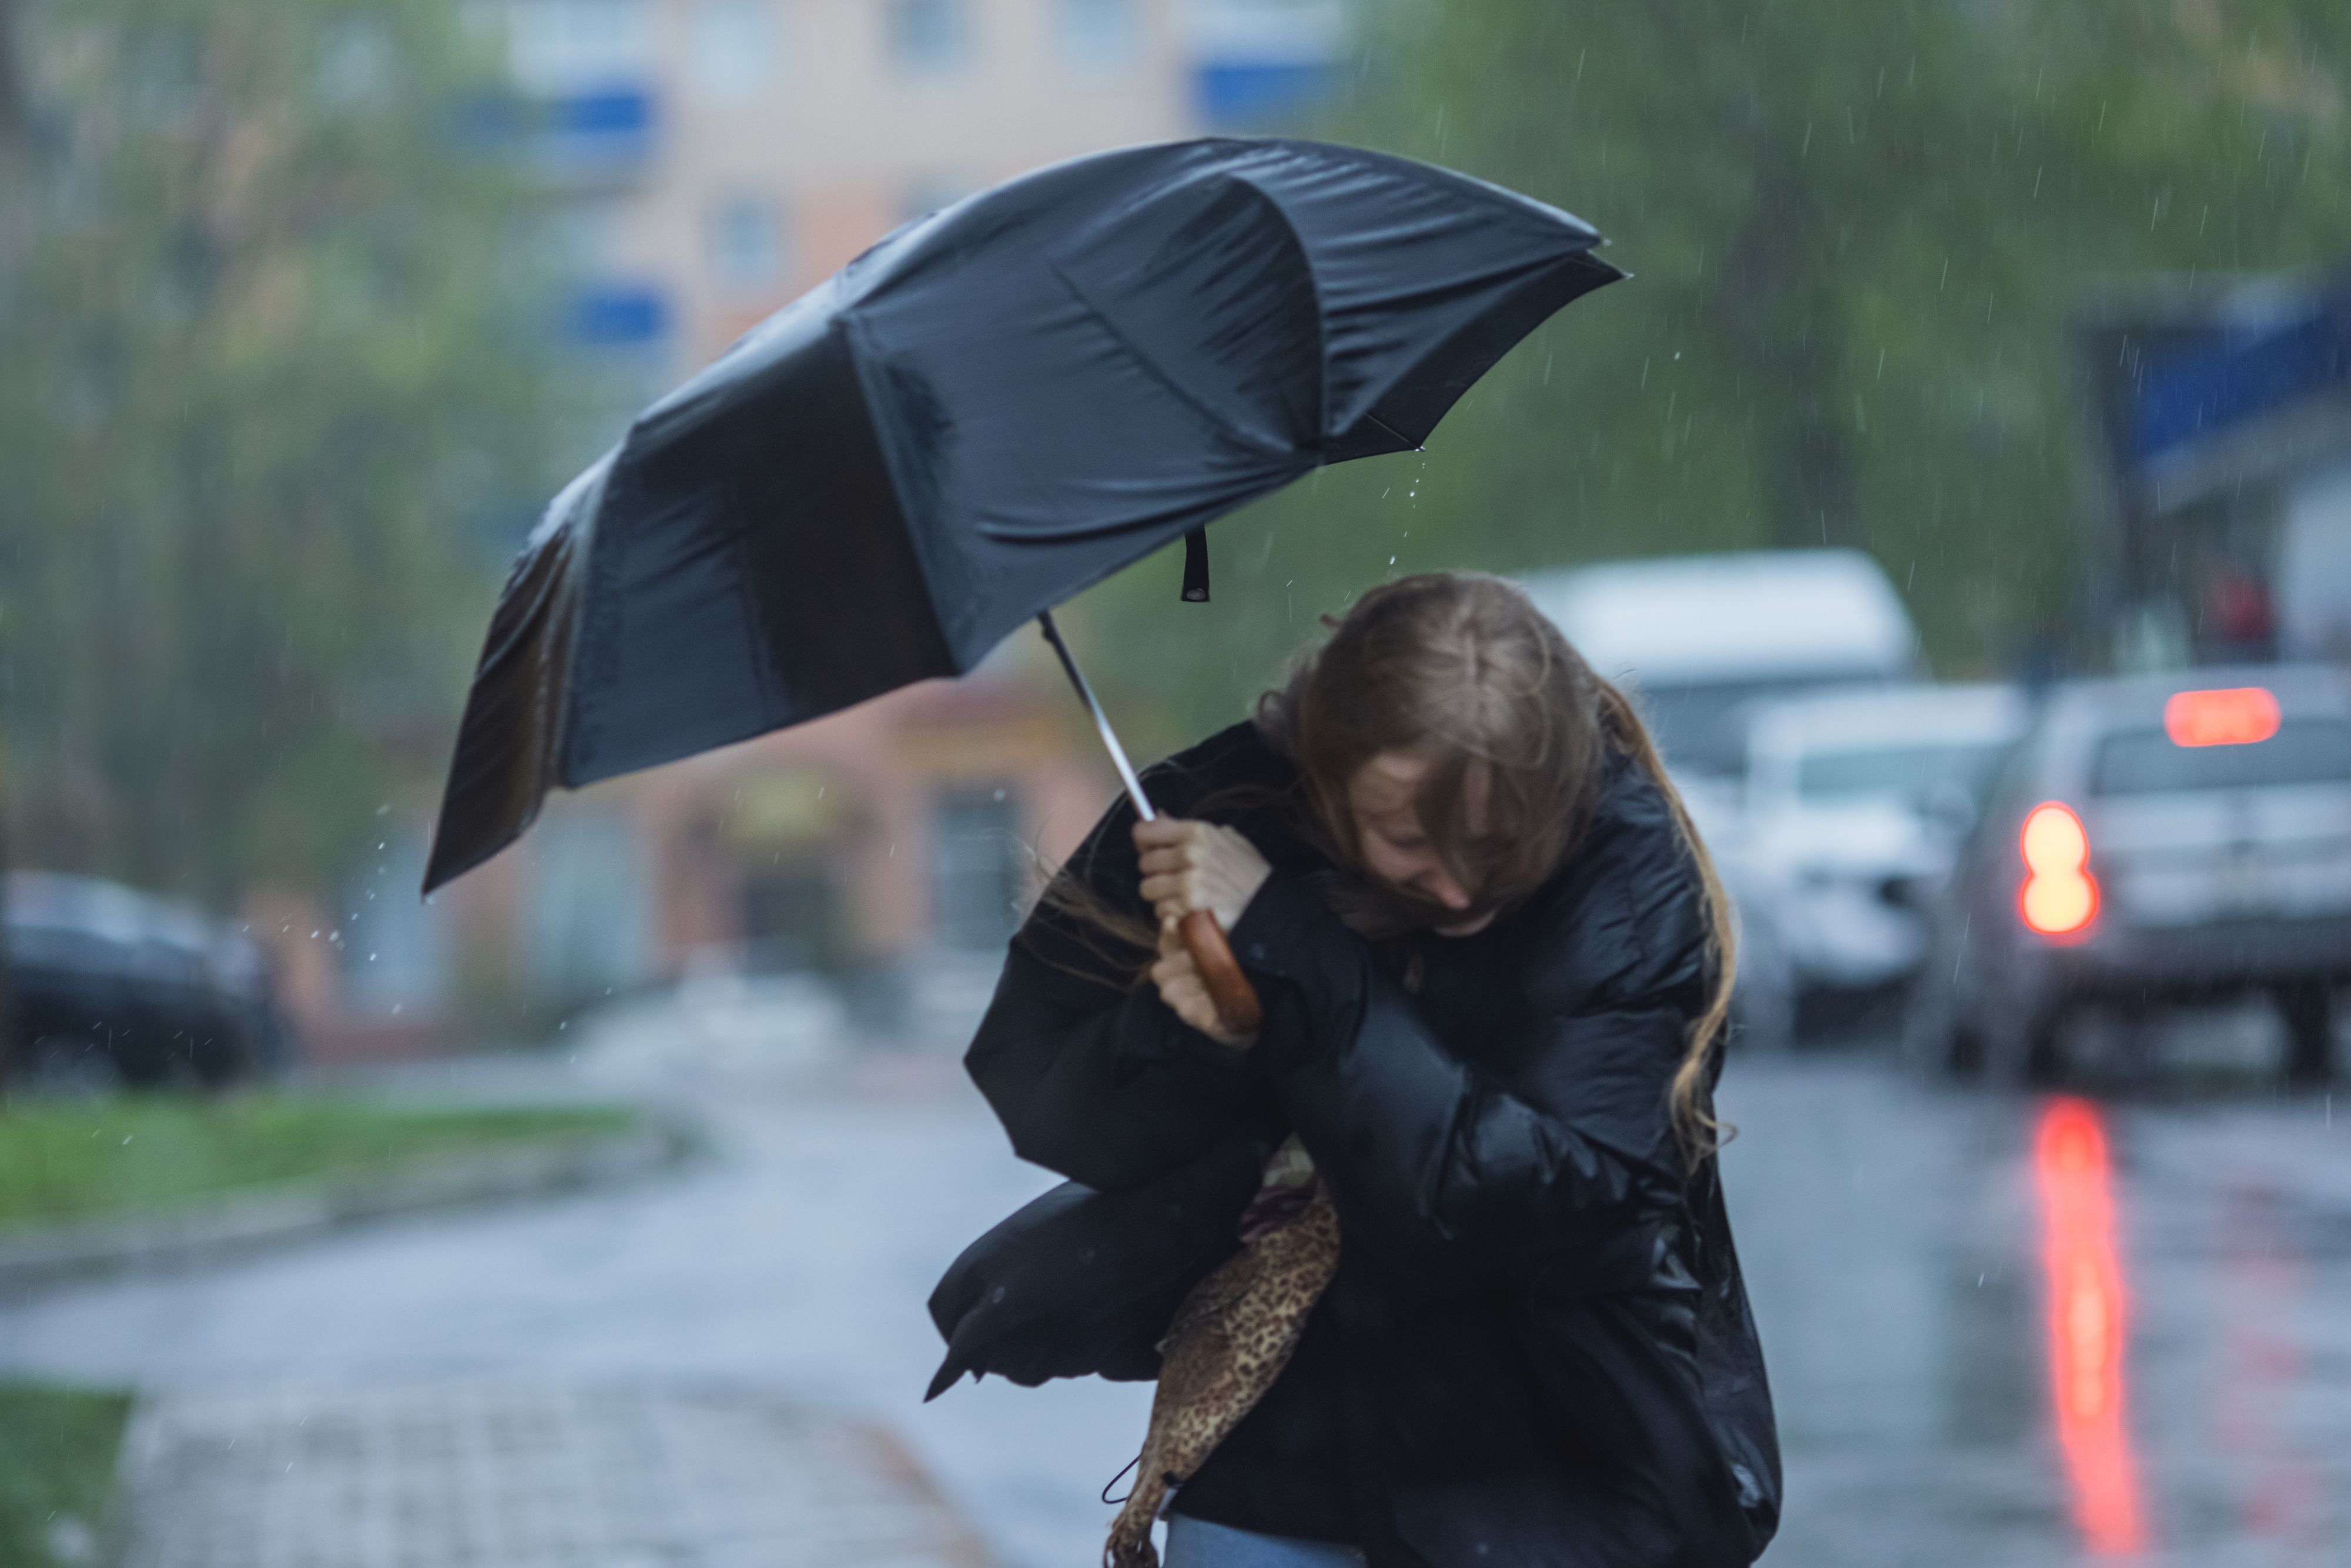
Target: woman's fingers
[
  {"x": 1189, "y": 865},
  {"x": 1173, "y": 894},
  {"x": 1181, "y": 988},
  {"x": 1186, "y": 994}
]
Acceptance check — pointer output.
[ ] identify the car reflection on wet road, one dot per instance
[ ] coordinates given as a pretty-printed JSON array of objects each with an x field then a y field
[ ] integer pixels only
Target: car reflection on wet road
[
  {"x": 2002, "y": 1330},
  {"x": 2088, "y": 1307},
  {"x": 2028, "y": 1331}
]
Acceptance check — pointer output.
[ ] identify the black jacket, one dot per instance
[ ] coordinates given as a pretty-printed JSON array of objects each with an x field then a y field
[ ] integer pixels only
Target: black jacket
[{"x": 1536, "y": 1350}]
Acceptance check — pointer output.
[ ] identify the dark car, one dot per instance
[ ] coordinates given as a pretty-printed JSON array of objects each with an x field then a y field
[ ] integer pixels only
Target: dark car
[
  {"x": 104, "y": 979},
  {"x": 2152, "y": 841}
]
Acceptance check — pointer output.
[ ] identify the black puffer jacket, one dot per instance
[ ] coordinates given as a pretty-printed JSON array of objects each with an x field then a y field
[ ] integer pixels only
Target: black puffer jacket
[{"x": 1536, "y": 1350}]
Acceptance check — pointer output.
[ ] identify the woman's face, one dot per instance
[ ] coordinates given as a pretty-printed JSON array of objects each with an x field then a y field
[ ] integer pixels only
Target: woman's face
[{"x": 1382, "y": 797}]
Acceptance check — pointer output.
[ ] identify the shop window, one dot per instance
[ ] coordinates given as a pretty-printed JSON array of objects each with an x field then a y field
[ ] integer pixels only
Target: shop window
[
  {"x": 977, "y": 867},
  {"x": 587, "y": 922},
  {"x": 792, "y": 918}
]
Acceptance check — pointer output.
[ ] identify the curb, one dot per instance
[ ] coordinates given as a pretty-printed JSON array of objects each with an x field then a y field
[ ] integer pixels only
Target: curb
[{"x": 250, "y": 1224}]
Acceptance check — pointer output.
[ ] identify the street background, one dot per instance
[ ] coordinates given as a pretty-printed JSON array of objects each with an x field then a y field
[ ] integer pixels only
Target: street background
[{"x": 1976, "y": 350}]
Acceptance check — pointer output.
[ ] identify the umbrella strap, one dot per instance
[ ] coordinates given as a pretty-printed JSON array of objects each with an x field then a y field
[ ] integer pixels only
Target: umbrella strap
[{"x": 1196, "y": 567}]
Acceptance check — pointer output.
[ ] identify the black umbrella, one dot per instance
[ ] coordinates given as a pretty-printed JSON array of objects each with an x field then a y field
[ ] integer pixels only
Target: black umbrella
[{"x": 994, "y": 408}]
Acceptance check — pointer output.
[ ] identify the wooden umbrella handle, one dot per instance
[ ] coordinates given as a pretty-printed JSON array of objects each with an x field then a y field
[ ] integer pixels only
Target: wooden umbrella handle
[{"x": 1235, "y": 999}]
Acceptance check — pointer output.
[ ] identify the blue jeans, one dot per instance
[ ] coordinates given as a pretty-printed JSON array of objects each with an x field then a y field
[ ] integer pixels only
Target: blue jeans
[{"x": 1196, "y": 1544}]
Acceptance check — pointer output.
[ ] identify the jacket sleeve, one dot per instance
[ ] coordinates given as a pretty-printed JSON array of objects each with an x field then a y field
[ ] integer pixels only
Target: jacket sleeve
[
  {"x": 1091, "y": 1074},
  {"x": 1559, "y": 1161},
  {"x": 1107, "y": 1087}
]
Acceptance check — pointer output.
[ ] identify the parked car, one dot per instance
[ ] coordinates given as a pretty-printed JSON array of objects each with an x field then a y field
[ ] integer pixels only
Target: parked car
[
  {"x": 1855, "y": 806},
  {"x": 2152, "y": 841},
  {"x": 105, "y": 979},
  {"x": 1763, "y": 999},
  {"x": 1701, "y": 637}
]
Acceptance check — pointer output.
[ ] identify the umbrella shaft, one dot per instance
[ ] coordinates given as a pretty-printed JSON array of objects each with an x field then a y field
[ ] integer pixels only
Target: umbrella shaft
[{"x": 1102, "y": 721}]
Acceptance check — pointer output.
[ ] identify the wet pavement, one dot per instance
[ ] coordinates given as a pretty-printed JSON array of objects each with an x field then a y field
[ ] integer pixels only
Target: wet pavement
[
  {"x": 505, "y": 1475},
  {"x": 2001, "y": 1329}
]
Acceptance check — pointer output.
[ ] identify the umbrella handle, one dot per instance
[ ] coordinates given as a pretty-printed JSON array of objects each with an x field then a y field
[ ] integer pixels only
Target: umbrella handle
[{"x": 1235, "y": 999}]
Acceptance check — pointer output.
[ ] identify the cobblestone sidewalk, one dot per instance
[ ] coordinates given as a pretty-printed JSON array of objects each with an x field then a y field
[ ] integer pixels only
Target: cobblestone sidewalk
[{"x": 504, "y": 1476}]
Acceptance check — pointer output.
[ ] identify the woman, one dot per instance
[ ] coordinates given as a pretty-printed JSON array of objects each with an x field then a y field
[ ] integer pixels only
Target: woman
[{"x": 1494, "y": 966}]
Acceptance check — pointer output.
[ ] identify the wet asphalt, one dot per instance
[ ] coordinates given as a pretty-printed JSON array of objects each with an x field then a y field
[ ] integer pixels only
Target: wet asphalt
[{"x": 2004, "y": 1328}]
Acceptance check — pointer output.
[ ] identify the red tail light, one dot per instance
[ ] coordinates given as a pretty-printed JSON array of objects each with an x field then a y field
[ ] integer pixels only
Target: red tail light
[
  {"x": 2060, "y": 896},
  {"x": 2238, "y": 715}
]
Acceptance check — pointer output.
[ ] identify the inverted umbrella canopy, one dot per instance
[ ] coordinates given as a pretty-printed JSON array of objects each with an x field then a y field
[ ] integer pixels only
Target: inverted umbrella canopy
[{"x": 991, "y": 410}]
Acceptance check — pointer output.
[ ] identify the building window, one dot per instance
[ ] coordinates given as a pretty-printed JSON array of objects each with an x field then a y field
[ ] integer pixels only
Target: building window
[
  {"x": 746, "y": 248},
  {"x": 568, "y": 45},
  {"x": 1261, "y": 63},
  {"x": 976, "y": 868},
  {"x": 735, "y": 49},
  {"x": 1097, "y": 34},
  {"x": 618, "y": 316},
  {"x": 929, "y": 38}
]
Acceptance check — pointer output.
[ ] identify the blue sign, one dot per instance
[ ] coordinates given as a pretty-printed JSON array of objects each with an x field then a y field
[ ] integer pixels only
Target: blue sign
[{"x": 2230, "y": 377}]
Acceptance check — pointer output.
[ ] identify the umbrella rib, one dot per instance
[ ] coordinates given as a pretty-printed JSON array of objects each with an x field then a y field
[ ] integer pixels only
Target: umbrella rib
[{"x": 1392, "y": 430}]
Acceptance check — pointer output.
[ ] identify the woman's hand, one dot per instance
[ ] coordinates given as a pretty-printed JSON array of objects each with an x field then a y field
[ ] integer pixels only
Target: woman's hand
[
  {"x": 1197, "y": 865},
  {"x": 1180, "y": 986}
]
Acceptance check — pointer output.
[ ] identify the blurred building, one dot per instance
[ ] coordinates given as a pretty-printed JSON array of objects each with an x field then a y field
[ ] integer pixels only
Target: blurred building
[
  {"x": 716, "y": 158},
  {"x": 891, "y": 849},
  {"x": 723, "y": 156},
  {"x": 2221, "y": 419}
]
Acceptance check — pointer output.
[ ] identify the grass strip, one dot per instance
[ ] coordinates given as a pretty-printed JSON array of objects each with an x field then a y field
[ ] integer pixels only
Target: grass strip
[
  {"x": 137, "y": 1156},
  {"x": 57, "y": 1468}
]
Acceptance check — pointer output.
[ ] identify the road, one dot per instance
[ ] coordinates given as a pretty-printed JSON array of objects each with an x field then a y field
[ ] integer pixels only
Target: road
[{"x": 2001, "y": 1330}]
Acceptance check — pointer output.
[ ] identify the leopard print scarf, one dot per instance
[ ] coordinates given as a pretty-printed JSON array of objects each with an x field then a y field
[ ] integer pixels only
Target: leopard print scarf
[{"x": 1230, "y": 1340}]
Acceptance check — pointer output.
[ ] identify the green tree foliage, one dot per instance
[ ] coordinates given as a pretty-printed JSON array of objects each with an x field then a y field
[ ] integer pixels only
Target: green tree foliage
[
  {"x": 268, "y": 354},
  {"x": 1858, "y": 230}
]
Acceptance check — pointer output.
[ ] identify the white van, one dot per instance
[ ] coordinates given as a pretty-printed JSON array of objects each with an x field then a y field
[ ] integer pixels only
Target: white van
[{"x": 1699, "y": 637}]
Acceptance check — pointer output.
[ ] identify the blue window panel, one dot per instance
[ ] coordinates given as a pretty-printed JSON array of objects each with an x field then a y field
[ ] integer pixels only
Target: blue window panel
[
  {"x": 1226, "y": 94},
  {"x": 619, "y": 111},
  {"x": 2232, "y": 378},
  {"x": 586, "y": 133},
  {"x": 617, "y": 316}
]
